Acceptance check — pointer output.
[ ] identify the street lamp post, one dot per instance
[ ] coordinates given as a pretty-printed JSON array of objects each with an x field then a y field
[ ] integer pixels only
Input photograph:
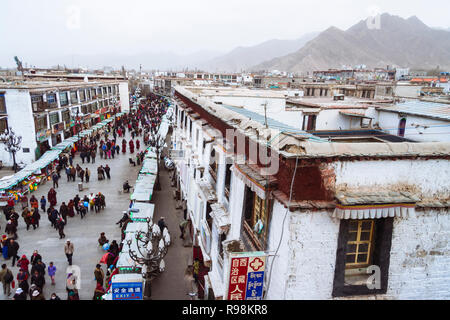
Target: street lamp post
[
  {"x": 12, "y": 144},
  {"x": 155, "y": 246}
]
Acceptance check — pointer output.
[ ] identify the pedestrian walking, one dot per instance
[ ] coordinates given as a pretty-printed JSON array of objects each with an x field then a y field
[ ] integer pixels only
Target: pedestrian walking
[
  {"x": 44, "y": 202},
  {"x": 107, "y": 171},
  {"x": 64, "y": 211},
  {"x": 60, "y": 226},
  {"x": 93, "y": 156},
  {"x": 51, "y": 272},
  {"x": 35, "y": 257},
  {"x": 81, "y": 175},
  {"x": 20, "y": 294},
  {"x": 68, "y": 250},
  {"x": 6, "y": 277},
  {"x": 54, "y": 297},
  {"x": 99, "y": 274},
  {"x": 23, "y": 263},
  {"x": 51, "y": 196},
  {"x": 13, "y": 248},
  {"x": 38, "y": 280},
  {"x": 87, "y": 174},
  {"x": 55, "y": 179}
]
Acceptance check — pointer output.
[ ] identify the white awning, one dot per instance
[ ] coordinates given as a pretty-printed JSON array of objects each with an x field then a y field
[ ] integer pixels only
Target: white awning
[{"x": 358, "y": 212}]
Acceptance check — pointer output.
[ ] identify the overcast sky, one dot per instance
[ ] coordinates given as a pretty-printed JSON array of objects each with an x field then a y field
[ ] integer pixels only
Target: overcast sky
[{"x": 31, "y": 29}]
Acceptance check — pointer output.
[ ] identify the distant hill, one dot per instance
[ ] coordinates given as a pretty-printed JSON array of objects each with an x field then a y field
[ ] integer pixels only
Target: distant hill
[
  {"x": 398, "y": 42},
  {"x": 241, "y": 58}
]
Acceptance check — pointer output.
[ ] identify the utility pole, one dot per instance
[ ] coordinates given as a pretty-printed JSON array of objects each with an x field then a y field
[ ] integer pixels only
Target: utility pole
[{"x": 265, "y": 114}]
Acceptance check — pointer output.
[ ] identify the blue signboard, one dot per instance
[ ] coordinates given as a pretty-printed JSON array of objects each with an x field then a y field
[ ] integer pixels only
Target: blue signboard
[
  {"x": 127, "y": 291},
  {"x": 255, "y": 281}
]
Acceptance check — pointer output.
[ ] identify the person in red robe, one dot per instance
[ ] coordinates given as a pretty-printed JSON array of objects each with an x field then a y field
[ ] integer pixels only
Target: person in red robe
[
  {"x": 52, "y": 197},
  {"x": 138, "y": 144},
  {"x": 124, "y": 146},
  {"x": 131, "y": 144}
]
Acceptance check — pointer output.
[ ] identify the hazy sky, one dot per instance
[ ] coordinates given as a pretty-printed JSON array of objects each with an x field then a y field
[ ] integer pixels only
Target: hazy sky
[{"x": 32, "y": 28}]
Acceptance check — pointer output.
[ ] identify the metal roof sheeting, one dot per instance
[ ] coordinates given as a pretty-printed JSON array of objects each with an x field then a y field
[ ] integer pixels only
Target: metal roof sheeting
[{"x": 428, "y": 109}]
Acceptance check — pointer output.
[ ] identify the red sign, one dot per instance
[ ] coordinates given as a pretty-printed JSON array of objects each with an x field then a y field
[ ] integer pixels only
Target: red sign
[{"x": 238, "y": 278}]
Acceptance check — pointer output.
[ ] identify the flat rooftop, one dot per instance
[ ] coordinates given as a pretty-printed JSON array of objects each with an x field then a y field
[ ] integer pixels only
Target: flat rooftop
[{"x": 53, "y": 84}]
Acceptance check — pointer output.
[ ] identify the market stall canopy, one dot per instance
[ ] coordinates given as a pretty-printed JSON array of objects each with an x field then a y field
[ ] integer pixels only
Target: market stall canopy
[
  {"x": 136, "y": 227},
  {"x": 44, "y": 161},
  {"x": 151, "y": 154},
  {"x": 143, "y": 189},
  {"x": 141, "y": 211},
  {"x": 149, "y": 166}
]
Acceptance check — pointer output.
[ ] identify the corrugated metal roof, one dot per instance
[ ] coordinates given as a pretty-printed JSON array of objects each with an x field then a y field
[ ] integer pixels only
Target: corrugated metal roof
[
  {"x": 272, "y": 123},
  {"x": 421, "y": 108}
]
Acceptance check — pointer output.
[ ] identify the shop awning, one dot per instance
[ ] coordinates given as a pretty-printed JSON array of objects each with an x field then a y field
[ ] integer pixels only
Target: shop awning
[
  {"x": 374, "y": 205},
  {"x": 255, "y": 181}
]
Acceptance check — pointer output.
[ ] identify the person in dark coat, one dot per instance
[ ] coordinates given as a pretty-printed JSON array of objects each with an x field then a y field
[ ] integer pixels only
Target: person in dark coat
[
  {"x": 60, "y": 226},
  {"x": 107, "y": 171},
  {"x": 35, "y": 257},
  {"x": 35, "y": 217},
  {"x": 20, "y": 294},
  {"x": 13, "y": 248},
  {"x": 52, "y": 197},
  {"x": 64, "y": 211},
  {"x": 114, "y": 248},
  {"x": 38, "y": 280},
  {"x": 124, "y": 146},
  {"x": 99, "y": 274},
  {"x": 131, "y": 145}
]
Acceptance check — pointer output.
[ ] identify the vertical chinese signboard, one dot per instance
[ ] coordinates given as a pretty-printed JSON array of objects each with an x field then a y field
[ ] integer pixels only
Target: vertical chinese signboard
[{"x": 246, "y": 279}]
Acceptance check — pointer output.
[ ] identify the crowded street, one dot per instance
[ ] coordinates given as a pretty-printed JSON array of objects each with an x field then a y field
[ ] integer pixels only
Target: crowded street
[{"x": 46, "y": 239}]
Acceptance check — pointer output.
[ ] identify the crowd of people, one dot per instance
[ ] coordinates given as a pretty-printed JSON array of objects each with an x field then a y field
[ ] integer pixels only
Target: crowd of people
[{"x": 30, "y": 282}]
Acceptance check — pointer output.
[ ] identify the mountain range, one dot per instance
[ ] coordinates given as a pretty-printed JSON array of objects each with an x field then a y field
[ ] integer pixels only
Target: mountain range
[
  {"x": 242, "y": 58},
  {"x": 397, "y": 42}
]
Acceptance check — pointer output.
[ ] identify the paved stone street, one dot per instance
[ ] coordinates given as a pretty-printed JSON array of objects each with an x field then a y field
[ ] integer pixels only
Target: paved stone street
[{"x": 84, "y": 233}]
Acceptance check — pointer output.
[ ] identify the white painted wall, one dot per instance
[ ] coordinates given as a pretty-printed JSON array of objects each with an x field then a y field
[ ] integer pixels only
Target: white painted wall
[
  {"x": 430, "y": 177},
  {"x": 20, "y": 119},
  {"x": 420, "y": 260},
  {"x": 307, "y": 256},
  {"x": 438, "y": 130},
  {"x": 124, "y": 96},
  {"x": 407, "y": 90}
]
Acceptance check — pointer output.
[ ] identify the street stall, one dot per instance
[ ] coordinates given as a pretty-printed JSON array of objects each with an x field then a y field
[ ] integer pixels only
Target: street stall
[
  {"x": 150, "y": 154},
  {"x": 137, "y": 226},
  {"x": 143, "y": 189},
  {"x": 127, "y": 265},
  {"x": 141, "y": 211},
  {"x": 149, "y": 166}
]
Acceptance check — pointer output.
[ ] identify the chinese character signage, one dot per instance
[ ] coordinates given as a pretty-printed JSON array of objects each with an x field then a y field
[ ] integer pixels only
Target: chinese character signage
[
  {"x": 127, "y": 291},
  {"x": 246, "y": 276}
]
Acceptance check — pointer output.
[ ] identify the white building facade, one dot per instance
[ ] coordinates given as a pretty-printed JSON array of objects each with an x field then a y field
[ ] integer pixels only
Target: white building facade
[
  {"x": 46, "y": 113},
  {"x": 353, "y": 206}
]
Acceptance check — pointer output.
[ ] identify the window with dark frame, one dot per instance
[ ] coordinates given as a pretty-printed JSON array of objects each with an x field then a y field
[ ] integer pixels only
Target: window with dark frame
[
  {"x": 2, "y": 103},
  {"x": 73, "y": 97},
  {"x": 227, "y": 179},
  {"x": 40, "y": 123},
  {"x": 82, "y": 95},
  {"x": 63, "y": 98},
  {"x": 361, "y": 244},
  {"x": 255, "y": 210},
  {"x": 3, "y": 125}
]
